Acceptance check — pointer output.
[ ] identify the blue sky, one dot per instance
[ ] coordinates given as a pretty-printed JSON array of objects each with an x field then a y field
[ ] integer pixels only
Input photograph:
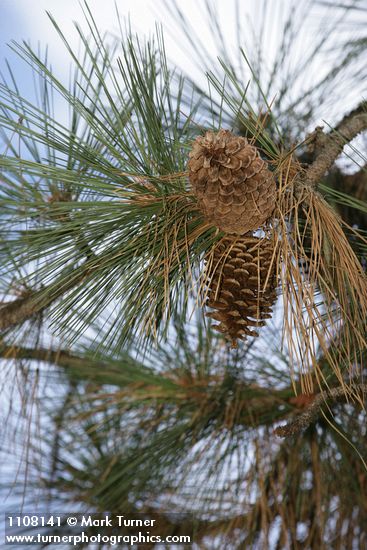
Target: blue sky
[{"x": 27, "y": 20}]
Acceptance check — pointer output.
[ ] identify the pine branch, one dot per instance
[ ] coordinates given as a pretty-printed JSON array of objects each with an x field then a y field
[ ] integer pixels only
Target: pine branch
[
  {"x": 310, "y": 415},
  {"x": 328, "y": 147},
  {"x": 253, "y": 405},
  {"x": 20, "y": 310},
  {"x": 260, "y": 406},
  {"x": 61, "y": 358}
]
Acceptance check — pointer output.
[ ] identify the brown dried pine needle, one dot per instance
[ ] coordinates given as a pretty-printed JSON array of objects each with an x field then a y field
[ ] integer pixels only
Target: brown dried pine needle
[{"x": 323, "y": 285}]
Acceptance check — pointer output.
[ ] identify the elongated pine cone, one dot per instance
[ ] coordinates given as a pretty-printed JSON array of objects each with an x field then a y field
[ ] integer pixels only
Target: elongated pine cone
[
  {"x": 235, "y": 190},
  {"x": 238, "y": 271}
]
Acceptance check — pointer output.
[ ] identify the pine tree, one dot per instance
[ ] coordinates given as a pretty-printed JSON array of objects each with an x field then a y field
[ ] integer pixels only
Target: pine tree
[{"x": 157, "y": 207}]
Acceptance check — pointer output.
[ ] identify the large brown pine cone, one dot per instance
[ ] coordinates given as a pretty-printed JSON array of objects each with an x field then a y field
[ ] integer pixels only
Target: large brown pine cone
[
  {"x": 238, "y": 271},
  {"x": 235, "y": 190}
]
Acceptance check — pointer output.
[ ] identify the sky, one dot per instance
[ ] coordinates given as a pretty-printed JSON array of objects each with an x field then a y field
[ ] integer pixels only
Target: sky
[{"x": 28, "y": 20}]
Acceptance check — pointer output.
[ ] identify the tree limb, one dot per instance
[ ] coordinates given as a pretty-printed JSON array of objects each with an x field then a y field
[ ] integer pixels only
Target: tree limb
[
  {"x": 309, "y": 416},
  {"x": 328, "y": 147},
  {"x": 19, "y": 310},
  {"x": 68, "y": 360},
  {"x": 61, "y": 358}
]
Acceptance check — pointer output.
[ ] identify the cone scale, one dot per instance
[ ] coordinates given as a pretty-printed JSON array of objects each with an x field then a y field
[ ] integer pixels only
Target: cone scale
[
  {"x": 242, "y": 286},
  {"x": 235, "y": 190}
]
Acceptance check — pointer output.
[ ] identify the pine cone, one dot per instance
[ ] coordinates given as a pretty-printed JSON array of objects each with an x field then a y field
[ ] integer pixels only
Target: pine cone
[
  {"x": 238, "y": 272},
  {"x": 235, "y": 190}
]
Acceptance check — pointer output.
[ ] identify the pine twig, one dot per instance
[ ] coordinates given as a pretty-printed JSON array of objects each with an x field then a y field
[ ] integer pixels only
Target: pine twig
[
  {"x": 19, "y": 310},
  {"x": 309, "y": 416},
  {"x": 328, "y": 147},
  {"x": 61, "y": 358}
]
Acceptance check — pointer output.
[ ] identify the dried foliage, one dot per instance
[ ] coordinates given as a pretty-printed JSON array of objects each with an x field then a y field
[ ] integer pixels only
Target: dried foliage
[{"x": 324, "y": 286}]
